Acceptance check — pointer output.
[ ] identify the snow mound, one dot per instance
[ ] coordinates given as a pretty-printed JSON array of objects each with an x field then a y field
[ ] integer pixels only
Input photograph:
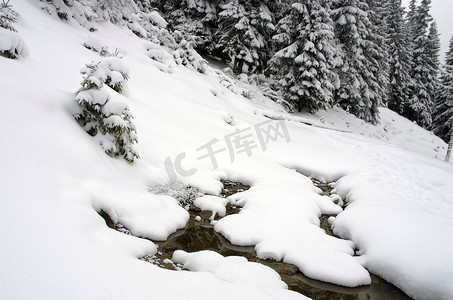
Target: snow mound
[
  {"x": 12, "y": 45},
  {"x": 215, "y": 204},
  {"x": 236, "y": 269}
]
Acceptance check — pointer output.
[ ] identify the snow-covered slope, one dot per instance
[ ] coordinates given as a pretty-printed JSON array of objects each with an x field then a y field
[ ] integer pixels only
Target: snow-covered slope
[{"x": 55, "y": 177}]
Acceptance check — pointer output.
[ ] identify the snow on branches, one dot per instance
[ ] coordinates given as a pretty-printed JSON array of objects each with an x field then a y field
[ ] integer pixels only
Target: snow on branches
[
  {"x": 102, "y": 116},
  {"x": 11, "y": 44}
]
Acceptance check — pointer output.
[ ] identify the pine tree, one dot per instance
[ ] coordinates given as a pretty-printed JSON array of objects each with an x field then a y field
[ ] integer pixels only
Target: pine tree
[
  {"x": 243, "y": 33},
  {"x": 263, "y": 20},
  {"x": 7, "y": 16},
  {"x": 432, "y": 52},
  {"x": 399, "y": 58},
  {"x": 420, "y": 103},
  {"x": 204, "y": 13},
  {"x": 11, "y": 43},
  {"x": 360, "y": 92},
  {"x": 304, "y": 66},
  {"x": 101, "y": 116},
  {"x": 196, "y": 19},
  {"x": 410, "y": 19},
  {"x": 443, "y": 111},
  {"x": 377, "y": 50},
  {"x": 279, "y": 8}
]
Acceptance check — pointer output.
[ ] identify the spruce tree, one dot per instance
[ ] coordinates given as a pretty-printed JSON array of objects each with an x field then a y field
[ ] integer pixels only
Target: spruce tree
[
  {"x": 196, "y": 19},
  {"x": 399, "y": 58},
  {"x": 304, "y": 65},
  {"x": 263, "y": 20},
  {"x": 432, "y": 52},
  {"x": 420, "y": 103},
  {"x": 410, "y": 19},
  {"x": 243, "y": 33},
  {"x": 11, "y": 43},
  {"x": 7, "y": 16},
  {"x": 103, "y": 117},
  {"x": 279, "y": 8},
  {"x": 376, "y": 51},
  {"x": 360, "y": 92},
  {"x": 443, "y": 111}
]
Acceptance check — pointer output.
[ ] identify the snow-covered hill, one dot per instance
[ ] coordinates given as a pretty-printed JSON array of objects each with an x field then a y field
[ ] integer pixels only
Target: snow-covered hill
[{"x": 56, "y": 177}]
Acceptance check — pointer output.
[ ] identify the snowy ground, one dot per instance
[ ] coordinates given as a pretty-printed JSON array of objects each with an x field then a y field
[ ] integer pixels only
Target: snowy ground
[{"x": 55, "y": 177}]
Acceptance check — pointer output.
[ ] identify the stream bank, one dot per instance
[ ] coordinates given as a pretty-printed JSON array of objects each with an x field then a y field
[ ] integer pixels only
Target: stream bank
[{"x": 199, "y": 234}]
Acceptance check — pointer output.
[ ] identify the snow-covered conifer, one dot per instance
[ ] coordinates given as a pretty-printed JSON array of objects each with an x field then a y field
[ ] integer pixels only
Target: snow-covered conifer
[
  {"x": 87, "y": 12},
  {"x": 195, "y": 19},
  {"x": 410, "y": 19},
  {"x": 420, "y": 103},
  {"x": 106, "y": 118},
  {"x": 443, "y": 110},
  {"x": 185, "y": 55},
  {"x": 360, "y": 89},
  {"x": 279, "y": 8},
  {"x": 303, "y": 67},
  {"x": 11, "y": 44},
  {"x": 432, "y": 52},
  {"x": 7, "y": 16},
  {"x": 377, "y": 51},
  {"x": 243, "y": 33},
  {"x": 202, "y": 19},
  {"x": 399, "y": 58}
]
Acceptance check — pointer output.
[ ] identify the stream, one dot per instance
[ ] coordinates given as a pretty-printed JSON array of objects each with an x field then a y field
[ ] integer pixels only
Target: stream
[{"x": 199, "y": 235}]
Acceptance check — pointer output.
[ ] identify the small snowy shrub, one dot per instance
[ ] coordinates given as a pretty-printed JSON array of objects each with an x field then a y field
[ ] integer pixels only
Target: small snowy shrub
[
  {"x": 270, "y": 89},
  {"x": 156, "y": 19},
  {"x": 137, "y": 29},
  {"x": 185, "y": 195},
  {"x": 226, "y": 79},
  {"x": 103, "y": 117},
  {"x": 7, "y": 16},
  {"x": 156, "y": 52},
  {"x": 11, "y": 44},
  {"x": 59, "y": 7},
  {"x": 185, "y": 55},
  {"x": 86, "y": 12},
  {"x": 155, "y": 27},
  {"x": 248, "y": 94},
  {"x": 96, "y": 46}
]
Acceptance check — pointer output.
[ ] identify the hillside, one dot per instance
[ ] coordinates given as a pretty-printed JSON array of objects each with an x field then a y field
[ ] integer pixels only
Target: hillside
[{"x": 391, "y": 202}]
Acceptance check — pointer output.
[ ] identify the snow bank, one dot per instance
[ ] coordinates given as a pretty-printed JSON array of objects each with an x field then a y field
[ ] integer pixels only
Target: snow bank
[
  {"x": 144, "y": 214},
  {"x": 237, "y": 270},
  {"x": 212, "y": 203},
  {"x": 280, "y": 216},
  {"x": 399, "y": 216}
]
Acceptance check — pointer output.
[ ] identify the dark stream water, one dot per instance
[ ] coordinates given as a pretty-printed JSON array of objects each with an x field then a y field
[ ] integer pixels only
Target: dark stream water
[{"x": 200, "y": 235}]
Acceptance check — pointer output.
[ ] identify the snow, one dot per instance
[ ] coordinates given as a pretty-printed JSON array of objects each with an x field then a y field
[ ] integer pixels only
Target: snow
[
  {"x": 212, "y": 203},
  {"x": 99, "y": 97},
  {"x": 237, "y": 270},
  {"x": 12, "y": 43},
  {"x": 289, "y": 229},
  {"x": 93, "y": 44},
  {"x": 55, "y": 178},
  {"x": 157, "y": 19}
]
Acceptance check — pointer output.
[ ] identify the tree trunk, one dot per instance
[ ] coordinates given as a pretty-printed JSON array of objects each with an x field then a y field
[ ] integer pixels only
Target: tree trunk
[
  {"x": 235, "y": 64},
  {"x": 239, "y": 66}
]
